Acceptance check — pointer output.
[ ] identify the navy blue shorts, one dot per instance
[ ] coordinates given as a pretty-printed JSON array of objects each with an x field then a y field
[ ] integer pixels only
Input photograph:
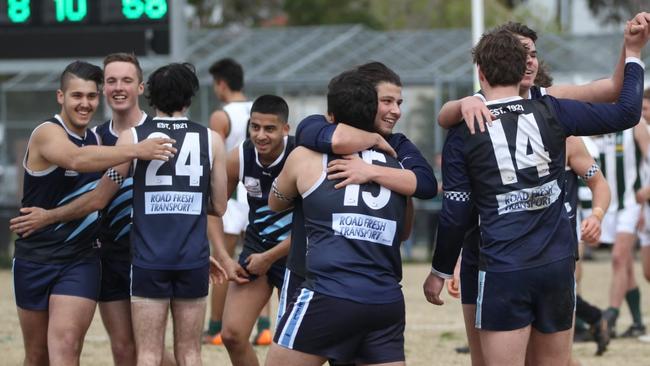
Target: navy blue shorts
[
  {"x": 543, "y": 296},
  {"x": 170, "y": 284},
  {"x": 468, "y": 283},
  {"x": 35, "y": 282},
  {"x": 343, "y": 330},
  {"x": 275, "y": 274},
  {"x": 289, "y": 291},
  {"x": 116, "y": 280}
]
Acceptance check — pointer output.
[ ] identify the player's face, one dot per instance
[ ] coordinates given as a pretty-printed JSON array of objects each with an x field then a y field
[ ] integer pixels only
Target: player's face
[
  {"x": 267, "y": 133},
  {"x": 121, "y": 86},
  {"x": 217, "y": 87},
  {"x": 78, "y": 101},
  {"x": 645, "y": 110},
  {"x": 389, "y": 97},
  {"x": 532, "y": 64}
]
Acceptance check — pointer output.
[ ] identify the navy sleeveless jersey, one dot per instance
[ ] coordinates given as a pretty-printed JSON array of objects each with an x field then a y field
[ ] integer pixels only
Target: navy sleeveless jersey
[
  {"x": 170, "y": 198},
  {"x": 115, "y": 226},
  {"x": 353, "y": 238},
  {"x": 516, "y": 174},
  {"x": 265, "y": 228},
  {"x": 54, "y": 187}
]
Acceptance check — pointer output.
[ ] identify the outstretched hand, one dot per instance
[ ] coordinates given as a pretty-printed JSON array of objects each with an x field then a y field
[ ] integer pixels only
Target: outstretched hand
[{"x": 156, "y": 148}]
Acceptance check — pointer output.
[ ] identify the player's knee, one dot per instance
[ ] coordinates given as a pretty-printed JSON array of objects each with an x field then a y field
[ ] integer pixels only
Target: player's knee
[
  {"x": 66, "y": 343},
  {"x": 146, "y": 358},
  {"x": 620, "y": 260},
  {"x": 233, "y": 338}
]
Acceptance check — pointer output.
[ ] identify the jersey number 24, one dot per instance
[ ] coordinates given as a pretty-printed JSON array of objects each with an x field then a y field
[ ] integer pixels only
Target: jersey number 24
[{"x": 191, "y": 150}]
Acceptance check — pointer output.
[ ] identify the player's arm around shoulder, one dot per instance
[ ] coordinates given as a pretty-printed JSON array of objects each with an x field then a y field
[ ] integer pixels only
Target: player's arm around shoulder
[
  {"x": 49, "y": 145},
  {"x": 218, "y": 178}
]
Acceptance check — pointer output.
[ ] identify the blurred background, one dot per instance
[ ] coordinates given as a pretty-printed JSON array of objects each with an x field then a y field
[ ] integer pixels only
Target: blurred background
[{"x": 290, "y": 48}]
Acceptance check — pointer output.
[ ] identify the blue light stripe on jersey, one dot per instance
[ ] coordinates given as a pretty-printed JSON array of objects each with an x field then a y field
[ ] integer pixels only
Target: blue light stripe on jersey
[
  {"x": 125, "y": 230},
  {"x": 279, "y": 224},
  {"x": 479, "y": 299},
  {"x": 292, "y": 325},
  {"x": 284, "y": 236},
  {"x": 126, "y": 211},
  {"x": 263, "y": 219},
  {"x": 89, "y": 220},
  {"x": 83, "y": 189},
  {"x": 127, "y": 195},
  {"x": 282, "y": 304}
]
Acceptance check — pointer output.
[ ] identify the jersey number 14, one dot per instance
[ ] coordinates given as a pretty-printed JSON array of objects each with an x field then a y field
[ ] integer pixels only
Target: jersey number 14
[{"x": 527, "y": 135}]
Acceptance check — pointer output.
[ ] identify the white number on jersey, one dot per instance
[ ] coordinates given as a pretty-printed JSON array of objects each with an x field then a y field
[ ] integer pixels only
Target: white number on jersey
[
  {"x": 352, "y": 190},
  {"x": 191, "y": 150},
  {"x": 527, "y": 134}
]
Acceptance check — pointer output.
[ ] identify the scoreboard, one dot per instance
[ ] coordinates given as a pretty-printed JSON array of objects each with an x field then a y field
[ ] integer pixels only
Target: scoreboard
[{"x": 83, "y": 28}]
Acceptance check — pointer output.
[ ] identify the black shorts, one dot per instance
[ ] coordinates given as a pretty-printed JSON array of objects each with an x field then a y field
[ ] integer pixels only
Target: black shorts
[
  {"x": 468, "y": 283},
  {"x": 289, "y": 291},
  {"x": 343, "y": 330},
  {"x": 116, "y": 280},
  {"x": 543, "y": 297},
  {"x": 35, "y": 282},
  {"x": 275, "y": 274},
  {"x": 170, "y": 284}
]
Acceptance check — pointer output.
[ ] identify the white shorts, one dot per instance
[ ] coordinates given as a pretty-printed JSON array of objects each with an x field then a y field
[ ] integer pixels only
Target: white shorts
[
  {"x": 235, "y": 219},
  {"x": 644, "y": 233},
  {"x": 624, "y": 221}
]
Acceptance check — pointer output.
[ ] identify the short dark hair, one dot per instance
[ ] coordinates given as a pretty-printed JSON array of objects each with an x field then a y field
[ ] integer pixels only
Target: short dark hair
[
  {"x": 82, "y": 70},
  {"x": 376, "y": 73},
  {"x": 125, "y": 57},
  {"x": 518, "y": 29},
  {"x": 271, "y": 104},
  {"x": 351, "y": 98},
  {"x": 170, "y": 88},
  {"x": 501, "y": 57},
  {"x": 229, "y": 71}
]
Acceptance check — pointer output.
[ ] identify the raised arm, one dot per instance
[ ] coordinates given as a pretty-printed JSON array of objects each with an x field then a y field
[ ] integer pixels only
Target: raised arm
[{"x": 584, "y": 119}]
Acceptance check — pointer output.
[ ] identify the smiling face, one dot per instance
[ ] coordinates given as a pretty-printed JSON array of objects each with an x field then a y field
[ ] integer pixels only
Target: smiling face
[
  {"x": 532, "y": 63},
  {"x": 267, "y": 133},
  {"x": 78, "y": 102},
  {"x": 389, "y": 97},
  {"x": 122, "y": 86}
]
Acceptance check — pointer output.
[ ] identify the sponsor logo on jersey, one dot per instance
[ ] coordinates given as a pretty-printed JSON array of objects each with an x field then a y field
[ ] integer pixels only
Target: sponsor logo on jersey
[
  {"x": 253, "y": 186},
  {"x": 364, "y": 227},
  {"x": 528, "y": 199},
  {"x": 71, "y": 173},
  {"x": 171, "y": 202}
]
